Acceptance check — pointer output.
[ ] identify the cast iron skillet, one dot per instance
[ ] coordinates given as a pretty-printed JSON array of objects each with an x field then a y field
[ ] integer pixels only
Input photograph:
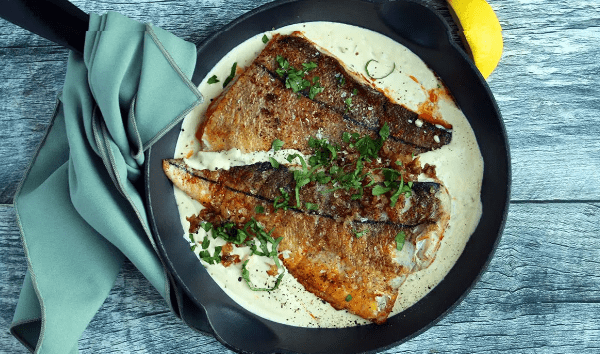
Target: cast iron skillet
[{"x": 427, "y": 35}]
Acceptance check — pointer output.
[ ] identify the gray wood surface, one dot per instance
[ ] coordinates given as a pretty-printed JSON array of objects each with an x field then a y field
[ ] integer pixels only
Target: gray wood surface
[{"x": 541, "y": 292}]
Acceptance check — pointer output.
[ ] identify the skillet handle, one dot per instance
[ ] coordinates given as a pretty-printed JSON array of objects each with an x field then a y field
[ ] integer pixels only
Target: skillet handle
[{"x": 56, "y": 20}]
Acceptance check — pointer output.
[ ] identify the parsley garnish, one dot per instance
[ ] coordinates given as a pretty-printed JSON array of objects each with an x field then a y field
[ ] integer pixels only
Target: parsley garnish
[
  {"x": 259, "y": 209},
  {"x": 231, "y": 74},
  {"x": 348, "y": 298},
  {"x": 348, "y": 102},
  {"x": 274, "y": 162},
  {"x": 206, "y": 226},
  {"x": 205, "y": 243},
  {"x": 246, "y": 277},
  {"x": 215, "y": 258},
  {"x": 281, "y": 202},
  {"x": 360, "y": 234},
  {"x": 252, "y": 235},
  {"x": 212, "y": 80},
  {"x": 265, "y": 39},
  {"x": 295, "y": 79},
  {"x": 312, "y": 206},
  {"x": 316, "y": 88},
  {"x": 377, "y": 78},
  {"x": 277, "y": 145},
  {"x": 400, "y": 237}
]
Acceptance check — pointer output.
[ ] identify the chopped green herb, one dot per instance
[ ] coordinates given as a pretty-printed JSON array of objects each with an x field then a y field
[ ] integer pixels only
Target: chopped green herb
[
  {"x": 400, "y": 237},
  {"x": 212, "y": 80},
  {"x": 348, "y": 298},
  {"x": 309, "y": 66},
  {"x": 315, "y": 89},
  {"x": 277, "y": 145},
  {"x": 259, "y": 209},
  {"x": 346, "y": 137},
  {"x": 295, "y": 79},
  {"x": 312, "y": 206},
  {"x": 274, "y": 162},
  {"x": 399, "y": 163},
  {"x": 348, "y": 102},
  {"x": 377, "y": 78},
  {"x": 205, "y": 243},
  {"x": 215, "y": 258},
  {"x": 191, "y": 237},
  {"x": 246, "y": 277},
  {"x": 384, "y": 132},
  {"x": 265, "y": 39},
  {"x": 231, "y": 75},
  {"x": 193, "y": 247},
  {"x": 282, "y": 201},
  {"x": 379, "y": 190},
  {"x": 360, "y": 234},
  {"x": 206, "y": 226}
]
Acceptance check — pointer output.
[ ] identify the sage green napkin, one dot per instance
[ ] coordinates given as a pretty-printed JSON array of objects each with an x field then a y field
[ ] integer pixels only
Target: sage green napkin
[{"x": 79, "y": 207}]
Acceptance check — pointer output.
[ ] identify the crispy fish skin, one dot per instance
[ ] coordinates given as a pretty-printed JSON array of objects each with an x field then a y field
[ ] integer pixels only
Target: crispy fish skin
[
  {"x": 263, "y": 181},
  {"x": 261, "y": 104},
  {"x": 360, "y": 274},
  {"x": 258, "y": 101}
]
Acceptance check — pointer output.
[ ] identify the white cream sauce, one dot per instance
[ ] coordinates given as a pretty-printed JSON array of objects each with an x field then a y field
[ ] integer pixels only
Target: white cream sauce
[{"x": 459, "y": 166}]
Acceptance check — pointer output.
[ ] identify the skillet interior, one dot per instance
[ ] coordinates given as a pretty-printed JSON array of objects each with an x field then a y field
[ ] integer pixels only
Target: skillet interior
[{"x": 427, "y": 35}]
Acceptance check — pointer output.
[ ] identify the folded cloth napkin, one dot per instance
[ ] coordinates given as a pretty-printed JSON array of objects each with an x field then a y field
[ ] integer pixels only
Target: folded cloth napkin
[{"x": 79, "y": 207}]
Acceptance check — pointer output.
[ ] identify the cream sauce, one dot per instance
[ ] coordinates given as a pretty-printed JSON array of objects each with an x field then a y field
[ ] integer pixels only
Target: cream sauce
[{"x": 459, "y": 166}]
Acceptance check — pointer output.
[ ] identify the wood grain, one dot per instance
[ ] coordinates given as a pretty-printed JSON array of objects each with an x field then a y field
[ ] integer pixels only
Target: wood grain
[{"x": 540, "y": 292}]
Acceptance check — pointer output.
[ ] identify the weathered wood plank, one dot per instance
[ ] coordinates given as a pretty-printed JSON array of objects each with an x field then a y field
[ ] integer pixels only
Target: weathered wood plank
[
  {"x": 539, "y": 295},
  {"x": 547, "y": 87}
]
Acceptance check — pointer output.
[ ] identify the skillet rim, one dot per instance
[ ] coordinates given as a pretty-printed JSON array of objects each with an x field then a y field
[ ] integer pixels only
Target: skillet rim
[{"x": 491, "y": 243}]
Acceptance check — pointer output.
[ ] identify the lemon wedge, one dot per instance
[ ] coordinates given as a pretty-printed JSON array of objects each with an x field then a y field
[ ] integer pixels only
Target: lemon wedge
[{"x": 480, "y": 32}]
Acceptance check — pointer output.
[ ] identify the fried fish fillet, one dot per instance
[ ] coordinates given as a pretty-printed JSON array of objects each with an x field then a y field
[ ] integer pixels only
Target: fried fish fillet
[
  {"x": 322, "y": 250},
  {"x": 257, "y": 108}
]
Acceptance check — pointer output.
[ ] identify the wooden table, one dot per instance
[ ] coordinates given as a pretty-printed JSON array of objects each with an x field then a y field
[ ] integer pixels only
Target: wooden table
[{"x": 541, "y": 292}]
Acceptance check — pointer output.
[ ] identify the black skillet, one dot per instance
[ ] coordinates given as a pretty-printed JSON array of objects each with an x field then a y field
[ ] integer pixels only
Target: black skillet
[
  {"x": 426, "y": 34},
  {"x": 407, "y": 22}
]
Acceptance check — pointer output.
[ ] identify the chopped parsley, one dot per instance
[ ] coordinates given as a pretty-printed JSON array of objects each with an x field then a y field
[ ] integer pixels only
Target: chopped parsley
[
  {"x": 231, "y": 75},
  {"x": 360, "y": 234},
  {"x": 348, "y": 298},
  {"x": 312, "y": 206},
  {"x": 252, "y": 235},
  {"x": 400, "y": 237},
  {"x": 282, "y": 201},
  {"x": 274, "y": 162},
  {"x": 206, "y": 226},
  {"x": 259, "y": 209},
  {"x": 377, "y": 78},
  {"x": 246, "y": 277},
  {"x": 348, "y": 102},
  {"x": 296, "y": 79},
  {"x": 205, "y": 243},
  {"x": 265, "y": 39},
  {"x": 212, "y": 80},
  {"x": 215, "y": 258},
  {"x": 277, "y": 144}
]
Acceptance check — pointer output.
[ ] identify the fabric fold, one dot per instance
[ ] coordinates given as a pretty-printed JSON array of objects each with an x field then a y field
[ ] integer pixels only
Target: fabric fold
[{"x": 80, "y": 207}]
